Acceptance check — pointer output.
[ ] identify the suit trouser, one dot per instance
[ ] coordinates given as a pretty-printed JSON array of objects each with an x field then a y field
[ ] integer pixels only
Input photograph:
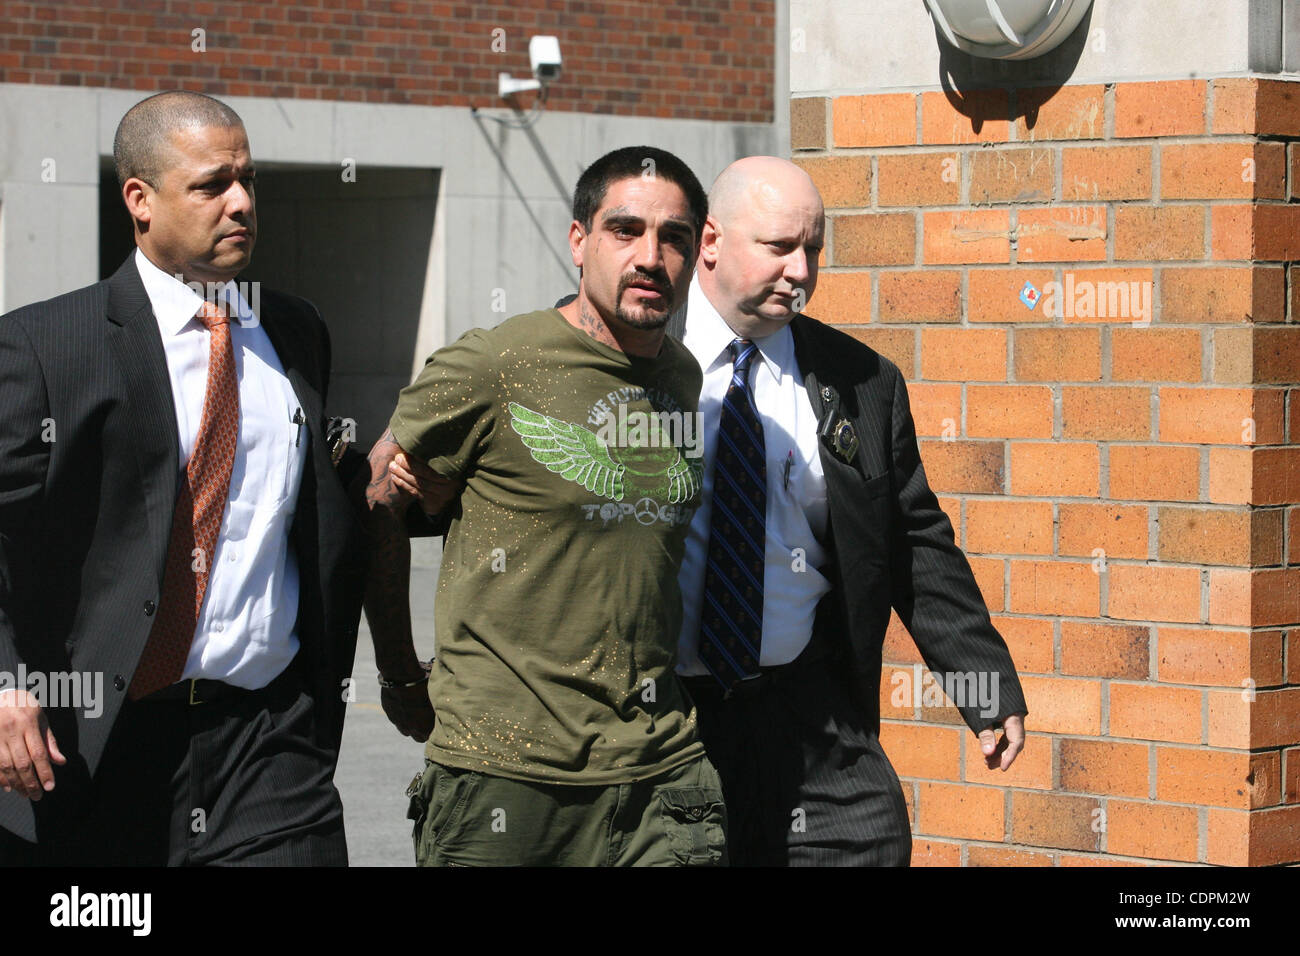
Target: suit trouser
[
  {"x": 235, "y": 781},
  {"x": 806, "y": 783}
]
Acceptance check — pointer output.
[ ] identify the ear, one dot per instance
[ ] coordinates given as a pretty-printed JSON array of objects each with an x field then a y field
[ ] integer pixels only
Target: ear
[
  {"x": 577, "y": 242},
  {"x": 710, "y": 240},
  {"x": 138, "y": 196}
]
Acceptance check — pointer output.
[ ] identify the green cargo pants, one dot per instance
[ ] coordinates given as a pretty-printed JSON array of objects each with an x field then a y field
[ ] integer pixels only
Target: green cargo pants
[{"x": 466, "y": 818}]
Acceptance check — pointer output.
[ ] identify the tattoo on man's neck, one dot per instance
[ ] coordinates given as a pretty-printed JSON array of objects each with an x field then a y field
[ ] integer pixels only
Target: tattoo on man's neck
[{"x": 593, "y": 326}]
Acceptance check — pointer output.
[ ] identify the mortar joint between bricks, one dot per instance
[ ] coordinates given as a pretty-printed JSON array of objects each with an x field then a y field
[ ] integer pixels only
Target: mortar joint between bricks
[
  {"x": 1058, "y": 173},
  {"x": 1205, "y": 596},
  {"x": 873, "y": 303},
  {"x": 1153, "y": 554}
]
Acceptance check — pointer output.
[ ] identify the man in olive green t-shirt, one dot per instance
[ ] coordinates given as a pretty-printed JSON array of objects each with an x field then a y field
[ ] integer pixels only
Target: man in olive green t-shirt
[{"x": 557, "y": 731}]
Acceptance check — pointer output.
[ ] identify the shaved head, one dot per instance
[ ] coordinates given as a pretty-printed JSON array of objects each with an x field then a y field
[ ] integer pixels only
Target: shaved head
[
  {"x": 764, "y": 179},
  {"x": 143, "y": 148},
  {"x": 187, "y": 179},
  {"x": 762, "y": 240}
]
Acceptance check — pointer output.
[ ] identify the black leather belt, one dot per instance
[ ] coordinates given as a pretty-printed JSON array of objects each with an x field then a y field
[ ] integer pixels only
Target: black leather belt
[
  {"x": 811, "y": 660},
  {"x": 199, "y": 691},
  {"x": 822, "y": 655},
  {"x": 709, "y": 687}
]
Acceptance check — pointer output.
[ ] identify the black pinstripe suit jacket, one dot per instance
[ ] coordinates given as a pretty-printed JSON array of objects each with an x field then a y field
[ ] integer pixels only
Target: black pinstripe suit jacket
[
  {"x": 89, "y": 470},
  {"x": 892, "y": 543}
]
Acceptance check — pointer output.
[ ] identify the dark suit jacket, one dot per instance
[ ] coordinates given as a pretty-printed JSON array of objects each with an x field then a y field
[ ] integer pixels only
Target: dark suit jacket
[
  {"x": 892, "y": 543},
  {"x": 85, "y": 518}
]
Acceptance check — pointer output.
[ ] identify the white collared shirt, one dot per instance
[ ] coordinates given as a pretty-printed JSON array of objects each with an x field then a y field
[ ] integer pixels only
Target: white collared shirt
[
  {"x": 793, "y": 581},
  {"x": 246, "y": 631}
]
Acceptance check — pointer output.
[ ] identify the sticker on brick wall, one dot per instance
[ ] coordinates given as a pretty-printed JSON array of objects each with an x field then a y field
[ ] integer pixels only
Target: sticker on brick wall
[{"x": 1030, "y": 295}]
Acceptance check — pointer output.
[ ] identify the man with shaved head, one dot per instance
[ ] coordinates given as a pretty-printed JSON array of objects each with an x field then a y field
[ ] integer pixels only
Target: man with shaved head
[
  {"x": 180, "y": 581},
  {"x": 817, "y": 519}
]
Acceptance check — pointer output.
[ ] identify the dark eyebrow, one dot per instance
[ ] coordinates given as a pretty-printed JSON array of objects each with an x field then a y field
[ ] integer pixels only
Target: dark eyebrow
[
  {"x": 622, "y": 217},
  {"x": 620, "y": 213},
  {"x": 213, "y": 172}
]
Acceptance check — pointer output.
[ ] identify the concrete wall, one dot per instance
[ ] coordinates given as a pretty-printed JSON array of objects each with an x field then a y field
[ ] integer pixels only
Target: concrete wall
[
  {"x": 499, "y": 234},
  {"x": 892, "y": 45}
]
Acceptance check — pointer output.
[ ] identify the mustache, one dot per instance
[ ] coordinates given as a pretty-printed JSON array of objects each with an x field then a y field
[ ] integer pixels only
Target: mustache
[{"x": 657, "y": 279}]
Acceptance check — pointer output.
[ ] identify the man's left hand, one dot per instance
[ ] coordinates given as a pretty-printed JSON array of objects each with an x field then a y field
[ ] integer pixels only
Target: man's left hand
[
  {"x": 409, "y": 710},
  {"x": 1002, "y": 753}
]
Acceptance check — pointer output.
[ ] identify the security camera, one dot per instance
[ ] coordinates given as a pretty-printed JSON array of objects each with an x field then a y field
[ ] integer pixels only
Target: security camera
[{"x": 544, "y": 54}]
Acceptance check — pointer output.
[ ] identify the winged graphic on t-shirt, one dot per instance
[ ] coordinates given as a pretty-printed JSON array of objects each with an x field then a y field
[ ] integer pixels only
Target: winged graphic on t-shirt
[{"x": 580, "y": 455}]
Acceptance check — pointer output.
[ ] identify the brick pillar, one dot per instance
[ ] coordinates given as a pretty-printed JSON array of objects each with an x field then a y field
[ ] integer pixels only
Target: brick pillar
[{"x": 1119, "y": 461}]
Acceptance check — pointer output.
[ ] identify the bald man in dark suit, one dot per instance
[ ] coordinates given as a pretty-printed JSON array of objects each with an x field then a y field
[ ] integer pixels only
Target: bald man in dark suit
[{"x": 818, "y": 519}]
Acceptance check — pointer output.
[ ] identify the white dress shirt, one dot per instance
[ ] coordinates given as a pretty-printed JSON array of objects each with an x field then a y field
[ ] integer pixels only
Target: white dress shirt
[
  {"x": 793, "y": 582},
  {"x": 246, "y": 632}
]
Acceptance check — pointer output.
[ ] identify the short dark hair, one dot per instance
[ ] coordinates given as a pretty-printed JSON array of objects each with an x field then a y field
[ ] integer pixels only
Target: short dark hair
[
  {"x": 142, "y": 136},
  {"x": 631, "y": 162}
]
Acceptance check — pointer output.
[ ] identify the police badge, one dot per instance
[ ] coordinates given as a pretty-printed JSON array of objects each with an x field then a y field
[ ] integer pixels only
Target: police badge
[
  {"x": 840, "y": 437},
  {"x": 844, "y": 440}
]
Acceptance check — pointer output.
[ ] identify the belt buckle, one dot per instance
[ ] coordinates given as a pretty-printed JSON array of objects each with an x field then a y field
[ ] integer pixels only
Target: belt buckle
[
  {"x": 747, "y": 685},
  {"x": 194, "y": 687}
]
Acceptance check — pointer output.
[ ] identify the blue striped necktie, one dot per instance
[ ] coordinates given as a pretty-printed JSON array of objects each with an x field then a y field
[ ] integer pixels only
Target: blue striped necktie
[{"x": 731, "y": 618}]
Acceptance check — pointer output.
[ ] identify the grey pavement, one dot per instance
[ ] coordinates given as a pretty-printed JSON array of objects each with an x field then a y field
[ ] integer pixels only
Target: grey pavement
[{"x": 376, "y": 763}]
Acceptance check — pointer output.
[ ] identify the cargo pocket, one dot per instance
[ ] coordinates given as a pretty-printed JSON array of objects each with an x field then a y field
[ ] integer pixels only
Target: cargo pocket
[
  {"x": 449, "y": 811},
  {"x": 695, "y": 821},
  {"x": 417, "y": 810}
]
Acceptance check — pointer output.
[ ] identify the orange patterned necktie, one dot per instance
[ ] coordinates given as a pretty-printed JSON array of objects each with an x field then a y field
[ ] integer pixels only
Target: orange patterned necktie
[{"x": 197, "y": 519}]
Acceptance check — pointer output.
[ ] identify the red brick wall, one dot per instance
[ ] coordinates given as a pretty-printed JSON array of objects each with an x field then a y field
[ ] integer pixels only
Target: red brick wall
[
  {"x": 1127, "y": 493},
  {"x": 691, "y": 59}
]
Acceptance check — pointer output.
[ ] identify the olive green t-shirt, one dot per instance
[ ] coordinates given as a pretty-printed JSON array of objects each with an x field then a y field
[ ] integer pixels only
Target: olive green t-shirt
[{"x": 558, "y": 609}]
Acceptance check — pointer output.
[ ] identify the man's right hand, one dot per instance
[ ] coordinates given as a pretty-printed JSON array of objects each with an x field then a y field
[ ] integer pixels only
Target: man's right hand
[
  {"x": 388, "y": 602},
  {"x": 27, "y": 746},
  {"x": 409, "y": 710},
  {"x": 414, "y": 477}
]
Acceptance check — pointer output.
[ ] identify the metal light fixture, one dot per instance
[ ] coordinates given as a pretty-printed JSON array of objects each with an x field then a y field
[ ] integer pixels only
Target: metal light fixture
[{"x": 1007, "y": 29}]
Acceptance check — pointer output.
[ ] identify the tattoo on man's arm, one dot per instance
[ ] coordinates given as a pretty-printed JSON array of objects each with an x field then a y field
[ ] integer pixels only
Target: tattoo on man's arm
[{"x": 383, "y": 490}]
